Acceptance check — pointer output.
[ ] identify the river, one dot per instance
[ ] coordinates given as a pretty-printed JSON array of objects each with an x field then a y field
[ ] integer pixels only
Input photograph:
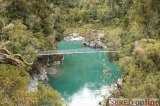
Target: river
[{"x": 80, "y": 78}]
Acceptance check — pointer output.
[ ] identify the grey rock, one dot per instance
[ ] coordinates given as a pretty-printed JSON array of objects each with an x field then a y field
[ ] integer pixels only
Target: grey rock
[{"x": 34, "y": 78}]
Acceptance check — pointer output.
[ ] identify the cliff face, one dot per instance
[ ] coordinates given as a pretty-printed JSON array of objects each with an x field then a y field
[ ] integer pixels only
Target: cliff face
[
  {"x": 39, "y": 70},
  {"x": 36, "y": 77},
  {"x": 37, "y": 73},
  {"x": 93, "y": 40}
]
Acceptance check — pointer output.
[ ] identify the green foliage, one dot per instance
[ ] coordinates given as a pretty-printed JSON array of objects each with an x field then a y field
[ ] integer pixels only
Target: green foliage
[
  {"x": 26, "y": 26},
  {"x": 132, "y": 26},
  {"x": 13, "y": 91},
  {"x": 46, "y": 95},
  {"x": 18, "y": 9},
  {"x": 12, "y": 79},
  {"x": 135, "y": 33},
  {"x": 20, "y": 40}
]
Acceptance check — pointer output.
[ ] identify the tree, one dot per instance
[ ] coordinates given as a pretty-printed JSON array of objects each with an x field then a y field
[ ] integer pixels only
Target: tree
[
  {"x": 48, "y": 96},
  {"x": 18, "y": 9}
]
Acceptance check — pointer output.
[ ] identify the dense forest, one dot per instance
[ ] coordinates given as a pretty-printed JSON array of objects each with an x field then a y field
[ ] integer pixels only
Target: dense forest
[{"x": 131, "y": 26}]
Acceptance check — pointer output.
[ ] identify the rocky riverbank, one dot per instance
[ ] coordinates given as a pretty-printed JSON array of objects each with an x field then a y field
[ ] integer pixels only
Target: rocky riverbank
[
  {"x": 74, "y": 36},
  {"x": 41, "y": 69},
  {"x": 92, "y": 39},
  {"x": 113, "y": 88}
]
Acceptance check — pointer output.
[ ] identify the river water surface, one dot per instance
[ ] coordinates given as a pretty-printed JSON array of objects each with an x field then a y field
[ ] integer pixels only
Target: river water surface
[{"x": 80, "y": 79}]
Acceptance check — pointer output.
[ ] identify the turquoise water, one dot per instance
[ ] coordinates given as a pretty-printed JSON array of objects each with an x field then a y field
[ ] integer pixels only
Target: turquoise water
[{"x": 80, "y": 79}]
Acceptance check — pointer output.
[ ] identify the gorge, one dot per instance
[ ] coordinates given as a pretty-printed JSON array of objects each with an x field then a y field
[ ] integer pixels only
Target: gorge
[{"x": 80, "y": 78}]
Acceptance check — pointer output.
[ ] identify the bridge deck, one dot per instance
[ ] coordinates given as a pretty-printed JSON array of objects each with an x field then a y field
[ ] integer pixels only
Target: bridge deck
[{"x": 73, "y": 51}]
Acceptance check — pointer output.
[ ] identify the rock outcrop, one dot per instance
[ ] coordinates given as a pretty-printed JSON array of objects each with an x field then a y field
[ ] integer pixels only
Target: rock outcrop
[
  {"x": 93, "y": 40},
  {"x": 74, "y": 36},
  {"x": 36, "y": 77},
  {"x": 114, "y": 88},
  {"x": 40, "y": 68}
]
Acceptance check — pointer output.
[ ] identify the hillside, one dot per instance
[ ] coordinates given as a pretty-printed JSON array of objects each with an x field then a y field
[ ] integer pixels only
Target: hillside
[{"x": 131, "y": 26}]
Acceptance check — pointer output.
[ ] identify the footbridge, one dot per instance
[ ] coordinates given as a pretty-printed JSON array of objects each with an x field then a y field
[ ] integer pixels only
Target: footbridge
[{"x": 74, "y": 51}]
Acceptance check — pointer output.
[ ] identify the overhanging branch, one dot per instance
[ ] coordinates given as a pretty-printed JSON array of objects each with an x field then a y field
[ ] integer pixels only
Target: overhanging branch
[{"x": 7, "y": 57}]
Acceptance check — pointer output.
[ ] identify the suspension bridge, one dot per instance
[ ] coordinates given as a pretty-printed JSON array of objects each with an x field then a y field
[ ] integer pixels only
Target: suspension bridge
[{"x": 74, "y": 51}]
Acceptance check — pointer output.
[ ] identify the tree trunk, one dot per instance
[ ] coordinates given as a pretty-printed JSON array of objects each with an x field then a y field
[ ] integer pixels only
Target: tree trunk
[{"x": 7, "y": 59}]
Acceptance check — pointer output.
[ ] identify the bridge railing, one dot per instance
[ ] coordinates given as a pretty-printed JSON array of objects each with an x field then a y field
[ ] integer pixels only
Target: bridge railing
[{"x": 72, "y": 51}]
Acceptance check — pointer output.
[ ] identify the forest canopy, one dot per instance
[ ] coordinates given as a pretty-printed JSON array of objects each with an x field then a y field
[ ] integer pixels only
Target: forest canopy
[{"x": 132, "y": 26}]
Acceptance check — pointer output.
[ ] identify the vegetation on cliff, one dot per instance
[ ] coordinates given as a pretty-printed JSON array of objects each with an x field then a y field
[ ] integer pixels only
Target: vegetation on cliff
[
  {"x": 132, "y": 26},
  {"x": 24, "y": 28}
]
